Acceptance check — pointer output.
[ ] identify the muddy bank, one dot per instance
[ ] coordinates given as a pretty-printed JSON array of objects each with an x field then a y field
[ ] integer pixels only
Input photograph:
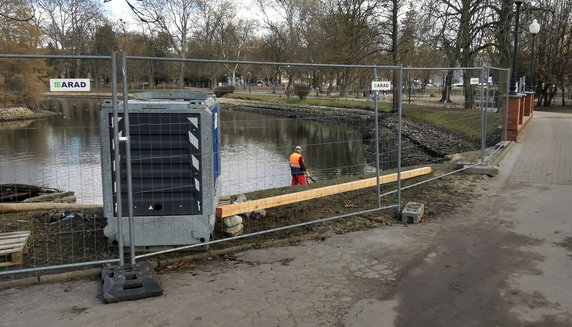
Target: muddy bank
[
  {"x": 422, "y": 143},
  {"x": 21, "y": 113}
]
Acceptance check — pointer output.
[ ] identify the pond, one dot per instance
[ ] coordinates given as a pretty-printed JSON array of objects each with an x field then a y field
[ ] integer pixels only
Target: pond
[{"x": 63, "y": 151}]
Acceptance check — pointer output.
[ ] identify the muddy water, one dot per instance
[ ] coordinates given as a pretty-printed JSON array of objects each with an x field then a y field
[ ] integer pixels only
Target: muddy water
[{"x": 64, "y": 151}]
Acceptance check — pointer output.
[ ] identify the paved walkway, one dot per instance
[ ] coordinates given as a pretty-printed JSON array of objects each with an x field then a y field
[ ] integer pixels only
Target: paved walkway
[{"x": 504, "y": 259}]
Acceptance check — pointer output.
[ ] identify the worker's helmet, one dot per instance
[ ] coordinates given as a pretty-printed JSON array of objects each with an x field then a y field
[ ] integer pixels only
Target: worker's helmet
[{"x": 298, "y": 148}]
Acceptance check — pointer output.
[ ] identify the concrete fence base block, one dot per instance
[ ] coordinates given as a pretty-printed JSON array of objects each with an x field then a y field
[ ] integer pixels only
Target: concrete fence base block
[
  {"x": 412, "y": 212},
  {"x": 481, "y": 169}
]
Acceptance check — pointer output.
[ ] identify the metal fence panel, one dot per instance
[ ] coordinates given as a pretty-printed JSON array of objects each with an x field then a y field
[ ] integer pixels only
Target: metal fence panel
[
  {"x": 342, "y": 143},
  {"x": 55, "y": 160}
]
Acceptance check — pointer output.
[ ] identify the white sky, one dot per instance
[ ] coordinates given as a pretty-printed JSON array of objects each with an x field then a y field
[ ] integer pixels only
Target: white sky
[{"x": 120, "y": 9}]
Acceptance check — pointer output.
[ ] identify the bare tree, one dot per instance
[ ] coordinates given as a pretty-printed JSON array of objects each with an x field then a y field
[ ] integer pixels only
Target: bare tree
[
  {"x": 174, "y": 18},
  {"x": 554, "y": 51},
  {"x": 220, "y": 34},
  {"x": 69, "y": 25},
  {"x": 286, "y": 22},
  {"x": 21, "y": 80},
  {"x": 461, "y": 28}
]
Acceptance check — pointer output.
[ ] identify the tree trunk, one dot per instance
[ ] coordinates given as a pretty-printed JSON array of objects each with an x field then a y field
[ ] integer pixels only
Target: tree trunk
[
  {"x": 395, "y": 51},
  {"x": 468, "y": 89},
  {"x": 288, "y": 91},
  {"x": 446, "y": 93},
  {"x": 553, "y": 92},
  {"x": 181, "y": 75}
]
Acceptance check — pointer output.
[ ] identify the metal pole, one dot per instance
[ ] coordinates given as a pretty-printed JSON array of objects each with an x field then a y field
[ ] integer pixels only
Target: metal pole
[
  {"x": 532, "y": 86},
  {"x": 409, "y": 86},
  {"x": 487, "y": 95},
  {"x": 117, "y": 161},
  {"x": 399, "y": 122},
  {"x": 128, "y": 158},
  {"x": 483, "y": 109},
  {"x": 507, "y": 86},
  {"x": 376, "y": 113},
  {"x": 513, "y": 78}
]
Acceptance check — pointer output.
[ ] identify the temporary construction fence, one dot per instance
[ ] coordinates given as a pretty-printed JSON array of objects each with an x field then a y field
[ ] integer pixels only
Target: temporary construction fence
[{"x": 343, "y": 146}]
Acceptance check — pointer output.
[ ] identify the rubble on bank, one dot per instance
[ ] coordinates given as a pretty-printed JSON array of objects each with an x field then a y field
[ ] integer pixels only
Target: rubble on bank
[
  {"x": 22, "y": 113},
  {"x": 422, "y": 143}
]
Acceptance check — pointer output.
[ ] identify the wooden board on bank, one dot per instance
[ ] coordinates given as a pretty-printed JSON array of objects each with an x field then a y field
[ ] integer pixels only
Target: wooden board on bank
[
  {"x": 13, "y": 244},
  {"x": 21, "y": 207},
  {"x": 279, "y": 200}
]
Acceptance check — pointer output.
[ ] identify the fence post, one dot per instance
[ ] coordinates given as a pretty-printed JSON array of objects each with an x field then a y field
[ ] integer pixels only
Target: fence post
[
  {"x": 376, "y": 113},
  {"x": 485, "y": 115},
  {"x": 128, "y": 158},
  {"x": 506, "y": 99},
  {"x": 483, "y": 109},
  {"x": 399, "y": 122},
  {"x": 117, "y": 163}
]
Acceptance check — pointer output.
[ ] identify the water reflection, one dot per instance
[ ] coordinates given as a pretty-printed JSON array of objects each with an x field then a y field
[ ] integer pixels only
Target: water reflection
[
  {"x": 64, "y": 151},
  {"x": 60, "y": 152},
  {"x": 256, "y": 150}
]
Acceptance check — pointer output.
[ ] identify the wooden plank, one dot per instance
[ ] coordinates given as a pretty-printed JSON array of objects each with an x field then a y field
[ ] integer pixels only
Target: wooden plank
[
  {"x": 13, "y": 244},
  {"x": 19, "y": 207},
  {"x": 8, "y": 235},
  {"x": 275, "y": 201},
  {"x": 11, "y": 250},
  {"x": 15, "y": 259}
]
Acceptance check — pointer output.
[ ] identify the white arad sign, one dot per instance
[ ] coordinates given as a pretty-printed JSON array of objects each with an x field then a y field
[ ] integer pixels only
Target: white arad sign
[
  {"x": 474, "y": 81},
  {"x": 381, "y": 85},
  {"x": 69, "y": 85}
]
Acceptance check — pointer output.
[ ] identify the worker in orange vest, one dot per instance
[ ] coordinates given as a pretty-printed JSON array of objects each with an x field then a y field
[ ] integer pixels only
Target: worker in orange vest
[{"x": 297, "y": 167}]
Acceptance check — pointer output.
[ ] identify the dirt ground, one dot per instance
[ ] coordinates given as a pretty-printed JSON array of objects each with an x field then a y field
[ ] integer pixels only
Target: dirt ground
[{"x": 63, "y": 237}]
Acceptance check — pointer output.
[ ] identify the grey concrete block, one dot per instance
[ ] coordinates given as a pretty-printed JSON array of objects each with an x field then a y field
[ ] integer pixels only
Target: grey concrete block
[
  {"x": 481, "y": 169},
  {"x": 412, "y": 212},
  {"x": 463, "y": 164}
]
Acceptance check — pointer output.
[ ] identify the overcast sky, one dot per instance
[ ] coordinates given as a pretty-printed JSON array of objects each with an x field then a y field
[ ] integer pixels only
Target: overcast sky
[{"x": 120, "y": 9}]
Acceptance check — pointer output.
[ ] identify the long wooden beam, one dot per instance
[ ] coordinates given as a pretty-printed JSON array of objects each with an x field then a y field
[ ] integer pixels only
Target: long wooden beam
[
  {"x": 275, "y": 201},
  {"x": 18, "y": 207}
]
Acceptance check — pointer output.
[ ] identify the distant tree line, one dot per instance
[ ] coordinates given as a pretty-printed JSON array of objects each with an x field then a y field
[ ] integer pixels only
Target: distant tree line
[{"x": 425, "y": 33}]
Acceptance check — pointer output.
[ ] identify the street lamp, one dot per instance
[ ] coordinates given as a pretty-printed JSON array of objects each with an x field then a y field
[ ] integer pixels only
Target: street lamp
[
  {"x": 534, "y": 28},
  {"x": 518, "y": 3}
]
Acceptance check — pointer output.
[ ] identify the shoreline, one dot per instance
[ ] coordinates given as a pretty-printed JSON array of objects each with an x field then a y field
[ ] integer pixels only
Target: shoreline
[
  {"x": 425, "y": 143},
  {"x": 8, "y": 114}
]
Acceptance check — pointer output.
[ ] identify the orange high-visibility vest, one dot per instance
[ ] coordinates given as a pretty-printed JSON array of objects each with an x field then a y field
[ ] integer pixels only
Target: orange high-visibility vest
[{"x": 295, "y": 168}]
